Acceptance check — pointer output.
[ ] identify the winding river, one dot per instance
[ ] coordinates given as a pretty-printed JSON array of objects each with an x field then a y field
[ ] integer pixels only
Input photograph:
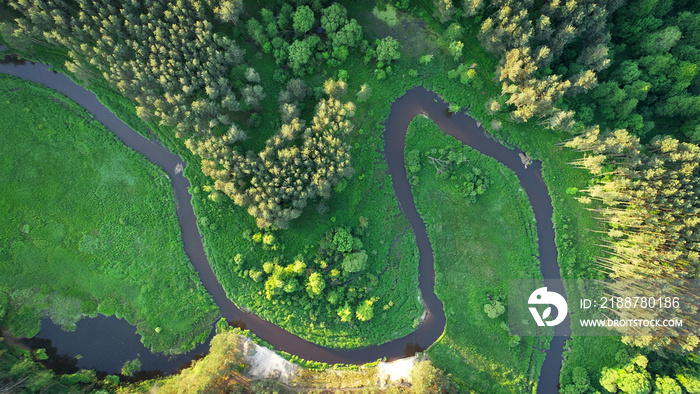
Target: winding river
[{"x": 403, "y": 110}]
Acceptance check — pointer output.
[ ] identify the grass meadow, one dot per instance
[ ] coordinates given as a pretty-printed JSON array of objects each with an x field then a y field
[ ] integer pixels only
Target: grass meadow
[
  {"x": 89, "y": 226},
  {"x": 478, "y": 247}
]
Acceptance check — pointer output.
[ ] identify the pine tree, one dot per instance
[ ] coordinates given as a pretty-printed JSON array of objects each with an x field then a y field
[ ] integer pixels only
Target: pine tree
[{"x": 650, "y": 202}]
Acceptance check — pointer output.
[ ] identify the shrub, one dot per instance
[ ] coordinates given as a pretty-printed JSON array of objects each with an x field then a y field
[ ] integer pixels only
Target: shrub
[
  {"x": 494, "y": 309},
  {"x": 131, "y": 367}
]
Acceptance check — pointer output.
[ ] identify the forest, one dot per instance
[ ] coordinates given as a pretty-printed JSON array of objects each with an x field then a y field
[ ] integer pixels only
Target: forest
[{"x": 279, "y": 107}]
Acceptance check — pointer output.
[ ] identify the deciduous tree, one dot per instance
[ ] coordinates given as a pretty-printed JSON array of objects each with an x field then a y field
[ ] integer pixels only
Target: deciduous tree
[{"x": 303, "y": 19}]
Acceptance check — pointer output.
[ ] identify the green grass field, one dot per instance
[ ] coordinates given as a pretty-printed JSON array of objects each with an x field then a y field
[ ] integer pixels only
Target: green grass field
[
  {"x": 478, "y": 247},
  {"x": 89, "y": 226}
]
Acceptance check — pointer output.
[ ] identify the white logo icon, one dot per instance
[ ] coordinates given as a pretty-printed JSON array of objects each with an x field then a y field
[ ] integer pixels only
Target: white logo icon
[{"x": 543, "y": 297}]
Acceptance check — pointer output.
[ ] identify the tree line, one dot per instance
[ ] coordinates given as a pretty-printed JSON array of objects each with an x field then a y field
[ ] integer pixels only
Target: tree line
[
  {"x": 635, "y": 372},
  {"x": 648, "y": 196}
]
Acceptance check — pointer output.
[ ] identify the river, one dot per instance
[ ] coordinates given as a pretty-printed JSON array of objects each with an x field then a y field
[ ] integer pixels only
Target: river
[{"x": 404, "y": 109}]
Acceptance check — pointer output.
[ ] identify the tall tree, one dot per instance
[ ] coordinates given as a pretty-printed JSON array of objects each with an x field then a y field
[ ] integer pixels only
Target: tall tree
[
  {"x": 303, "y": 19},
  {"x": 387, "y": 49},
  {"x": 230, "y": 10},
  {"x": 649, "y": 200}
]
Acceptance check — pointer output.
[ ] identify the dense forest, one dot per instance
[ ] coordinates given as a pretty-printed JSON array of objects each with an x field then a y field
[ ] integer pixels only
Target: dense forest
[
  {"x": 619, "y": 64},
  {"x": 282, "y": 106}
]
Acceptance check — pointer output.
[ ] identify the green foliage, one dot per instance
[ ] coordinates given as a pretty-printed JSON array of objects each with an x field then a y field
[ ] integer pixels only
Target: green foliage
[
  {"x": 654, "y": 181},
  {"x": 131, "y": 367},
  {"x": 349, "y": 35},
  {"x": 266, "y": 386},
  {"x": 648, "y": 87},
  {"x": 200, "y": 120},
  {"x": 322, "y": 283},
  {"x": 19, "y": 374},
  {"x": 413, "y": 164},
  {"x": 4, "y": 304},
  {"x": 444, "y": 10},
  {"x": 667, "y": 385},
  {"x": 387, "y": 49},
  {"x": 425, "y": 378},
  {"x": 303, "y": 19},
  {"x": 345, "y": 313},
  {"x": 82, "y": 376},
  {"x": 387, "y": 14},
  {"x": 365, "y": 311},
  {"x": 451, "y": 164},
  {"x": 456, "y": 49},
  {"x": 626, "y": 371},
  {"x": 465, "y": 74},
  {"x": 494, "y": 309},
  {"x": 632, "y": 378},
  {"x": 217, "y": 372},
  {"x": 369, "y": 195},
  {"x": 342, "y": 240},
  {"x": 355, "y": 262},
  {"x": 229, "y": 10},
  {"x": 40, "y": 354},
  {"x": 333, "y": 17},
  {"x": 454, "y": 32},
  {"x": 112, "y": 380},
  {"x": 26, "y": 322},
  {"x": 315, "y": 285},
  {"x": 256, "y": 32},
  {"x": 530, "y": 43},
  {"x": 277, "y": 184}
]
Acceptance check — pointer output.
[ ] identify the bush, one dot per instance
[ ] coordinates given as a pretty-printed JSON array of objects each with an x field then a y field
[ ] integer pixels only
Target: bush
[
  {"x": 425, "y": 378},
  {"x": 131, "y": 367},
  {"x": 40, "y": 354},
  {"x": 25, "y": 323},
  {"x": 342, "y": 240},
  {"x": 413, "y": 161},
  {"x": 112, "y": 379},
  {"x": 365, "y": 311},
  {"x": 82, "y": 376},
  {"x": 355, "y": 262},
  {"x": 494, "y": 309}
]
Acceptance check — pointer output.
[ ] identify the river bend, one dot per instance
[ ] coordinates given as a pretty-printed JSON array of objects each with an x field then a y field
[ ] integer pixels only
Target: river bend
[{"x": 403, "y": 110}]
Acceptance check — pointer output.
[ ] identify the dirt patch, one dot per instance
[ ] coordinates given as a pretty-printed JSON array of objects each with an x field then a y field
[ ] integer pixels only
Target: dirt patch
[
  {"x": 265, "y": 363},
  {"x": 396, "y": 372}
]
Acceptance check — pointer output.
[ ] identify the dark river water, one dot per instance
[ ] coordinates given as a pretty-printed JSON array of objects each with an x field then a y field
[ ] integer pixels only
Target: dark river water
[{"x": 104, "y": 343}]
